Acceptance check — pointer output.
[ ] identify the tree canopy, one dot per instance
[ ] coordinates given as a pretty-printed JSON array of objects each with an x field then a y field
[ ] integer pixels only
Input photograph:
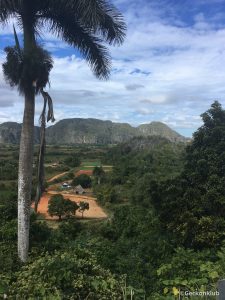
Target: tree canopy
[
  {"x": 84, "y": 180},
  {"x": 58, "y": 206},
  {"x": 71, "y": 274},
  {"x": 193, "y": 204}
]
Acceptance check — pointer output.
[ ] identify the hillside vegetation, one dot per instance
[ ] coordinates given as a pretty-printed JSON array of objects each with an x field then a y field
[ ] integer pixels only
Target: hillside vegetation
[
  {"x": 90, "y": 131},
  {"x": 164, "y": 234}
]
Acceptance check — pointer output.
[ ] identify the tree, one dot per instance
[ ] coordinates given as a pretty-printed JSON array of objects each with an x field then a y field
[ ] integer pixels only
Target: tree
[
  {"x": 81, "y": 277},
  {"x": 186, "y": 269},
  {"x": 99, "y": 173},
  {"x": 73, "y": 161},
  {"x": 86, "y": 25},
  {"x": 107, "y": 194},
  {"x": 58, "y": 206},
  {"x": 82, "y": 207},
  {"x": 192, "y": 206},
  {"x": 84, "y": 180}
]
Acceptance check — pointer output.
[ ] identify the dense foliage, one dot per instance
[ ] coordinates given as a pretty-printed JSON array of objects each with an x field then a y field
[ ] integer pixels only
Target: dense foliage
[
  {"x": 8, "y": 169},
  {"x": 60, "y": 207},
  {"x": 84, "y": 180},
  {"x": 164, "y": 234},
  {"x": 72, "y": 161},
  {"x": 98, "y": 174},
  {"x": 196, "y": 199},
  {"x": 71, "y": 274}
]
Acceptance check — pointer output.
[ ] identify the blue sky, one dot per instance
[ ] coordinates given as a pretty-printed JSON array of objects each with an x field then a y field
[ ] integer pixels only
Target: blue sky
[{"x": 170, "y": 68}]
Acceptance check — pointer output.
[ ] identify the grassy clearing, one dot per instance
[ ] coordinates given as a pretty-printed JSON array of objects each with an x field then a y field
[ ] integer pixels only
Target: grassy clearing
[
  {"x": 92, "y": 163},
  {"x": 86, "y": 168}
]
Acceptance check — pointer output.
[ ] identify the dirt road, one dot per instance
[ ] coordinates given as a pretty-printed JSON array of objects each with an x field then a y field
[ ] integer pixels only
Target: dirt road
[
  {"x": 94, "y": 212},
  {"x": 57, "y": 176}
]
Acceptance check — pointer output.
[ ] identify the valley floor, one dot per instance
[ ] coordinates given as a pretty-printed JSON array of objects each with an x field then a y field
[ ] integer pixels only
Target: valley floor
[{"x": 94, "y": 212}]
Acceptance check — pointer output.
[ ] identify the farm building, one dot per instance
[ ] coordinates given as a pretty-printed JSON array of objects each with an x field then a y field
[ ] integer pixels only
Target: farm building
[{"x": 79, "y": 190}]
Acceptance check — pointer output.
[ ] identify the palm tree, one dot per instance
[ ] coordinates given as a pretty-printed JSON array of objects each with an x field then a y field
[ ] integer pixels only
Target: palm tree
[
  {"x": 13, "y": 68},
  {"x": 84, "y": 24},
  {"x": 98, "y": 172}
]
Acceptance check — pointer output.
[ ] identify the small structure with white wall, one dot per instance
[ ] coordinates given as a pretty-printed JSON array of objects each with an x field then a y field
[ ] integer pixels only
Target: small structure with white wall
[{"x": 79, "y": 190}]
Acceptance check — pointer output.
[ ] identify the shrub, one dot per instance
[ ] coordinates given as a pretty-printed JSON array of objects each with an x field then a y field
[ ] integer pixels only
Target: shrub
[
  {"x": 84, "y": 180},
  {"x": 65, "y": 275},
  {"x": 58, "y": 206}
]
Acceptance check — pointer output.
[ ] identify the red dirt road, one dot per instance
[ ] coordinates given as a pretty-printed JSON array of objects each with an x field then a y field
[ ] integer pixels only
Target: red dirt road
[
  {"x": 94, "y": 212},
  {"x": 57, "y": 176},
  {"x": 87, "y": 172}
]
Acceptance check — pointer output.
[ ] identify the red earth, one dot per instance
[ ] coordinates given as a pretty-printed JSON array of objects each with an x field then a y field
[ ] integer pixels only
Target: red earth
[
  {"x": 87, "y": 172},
  {"x": 94, "y": 212}
]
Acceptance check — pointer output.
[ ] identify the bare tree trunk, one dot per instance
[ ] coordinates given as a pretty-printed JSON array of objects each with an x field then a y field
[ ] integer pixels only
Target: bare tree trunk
[
  {"x": 41, "y": 168},
  {"x": 25, "y": 176}
]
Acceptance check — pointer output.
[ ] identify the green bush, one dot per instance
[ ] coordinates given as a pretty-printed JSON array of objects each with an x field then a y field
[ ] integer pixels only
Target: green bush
[
  {"x": 60, "y": 207},
  {"x": 83, "y": 179},
  {"x": 72, "y": 161},
  {"x": 72, "y": 274},
  {"x": 70, "y": 228}
]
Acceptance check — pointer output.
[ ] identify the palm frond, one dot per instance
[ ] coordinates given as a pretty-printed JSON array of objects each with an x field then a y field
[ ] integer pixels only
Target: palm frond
[
  {"x": 66, "y": 27},
  {"x": 22, "y": 70},
  {"x": 48, "y": 103},
  {"x": 105, "y": 18},
  {"x": 99, "y": 15},
  {"x": 12, "y": 68},
  {"x": 17, "y": 42},
  {"x": 8, "y": 9}
]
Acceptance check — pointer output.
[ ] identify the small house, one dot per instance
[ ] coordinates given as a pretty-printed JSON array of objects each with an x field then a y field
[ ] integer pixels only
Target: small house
[{"x": 79, "y": 190}]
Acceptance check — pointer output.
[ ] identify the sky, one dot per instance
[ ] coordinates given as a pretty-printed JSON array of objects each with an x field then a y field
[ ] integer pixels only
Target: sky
[{"x": 170, "y": 68}]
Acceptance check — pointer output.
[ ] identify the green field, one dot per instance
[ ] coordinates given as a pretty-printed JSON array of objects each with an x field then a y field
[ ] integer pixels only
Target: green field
[{"x": 91, "y": 164}]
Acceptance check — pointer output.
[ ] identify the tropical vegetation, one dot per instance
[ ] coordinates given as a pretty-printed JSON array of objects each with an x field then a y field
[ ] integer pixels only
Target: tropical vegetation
[
  {"x": 85, "y": 25},
  {"x": 164, "y": 234}
]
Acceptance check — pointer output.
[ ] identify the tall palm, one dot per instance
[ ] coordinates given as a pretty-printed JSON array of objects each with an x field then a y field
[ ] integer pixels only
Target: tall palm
[
  {"x": 84, "y": 24},
  {"x": 99, "y": 173}
]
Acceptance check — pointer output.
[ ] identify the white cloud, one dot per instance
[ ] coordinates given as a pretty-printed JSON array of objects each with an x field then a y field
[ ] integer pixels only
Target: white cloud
[
  {"x": 166, "y": 70},
  {"x": 144, "y": 111}
]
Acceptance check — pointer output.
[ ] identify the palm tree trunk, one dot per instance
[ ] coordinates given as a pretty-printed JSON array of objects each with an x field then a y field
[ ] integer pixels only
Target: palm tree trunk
[
  {"x": 41, "y": 170},
  {"x": 26, "y": 148},
  {"x": 25, "y": 176}
]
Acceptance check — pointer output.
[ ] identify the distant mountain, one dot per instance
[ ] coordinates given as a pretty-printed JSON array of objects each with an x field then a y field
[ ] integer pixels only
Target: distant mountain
[
  {"x": 161, "y": 129},
  {"x": 10, "y": 133},
  {"x": 90, "y": 131},
  {"x": 143, "y": 142}
]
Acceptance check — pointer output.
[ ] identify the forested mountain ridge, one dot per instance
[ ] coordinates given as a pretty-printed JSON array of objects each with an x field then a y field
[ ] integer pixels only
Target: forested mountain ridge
[
  {"x": 90, "y": 131},
  {"x": 160, "y": 129},
  {"x": 10, "y": 133}
]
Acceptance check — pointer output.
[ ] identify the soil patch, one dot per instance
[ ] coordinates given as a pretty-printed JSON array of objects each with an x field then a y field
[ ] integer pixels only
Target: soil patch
[{"x": 94, "y": 212}]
